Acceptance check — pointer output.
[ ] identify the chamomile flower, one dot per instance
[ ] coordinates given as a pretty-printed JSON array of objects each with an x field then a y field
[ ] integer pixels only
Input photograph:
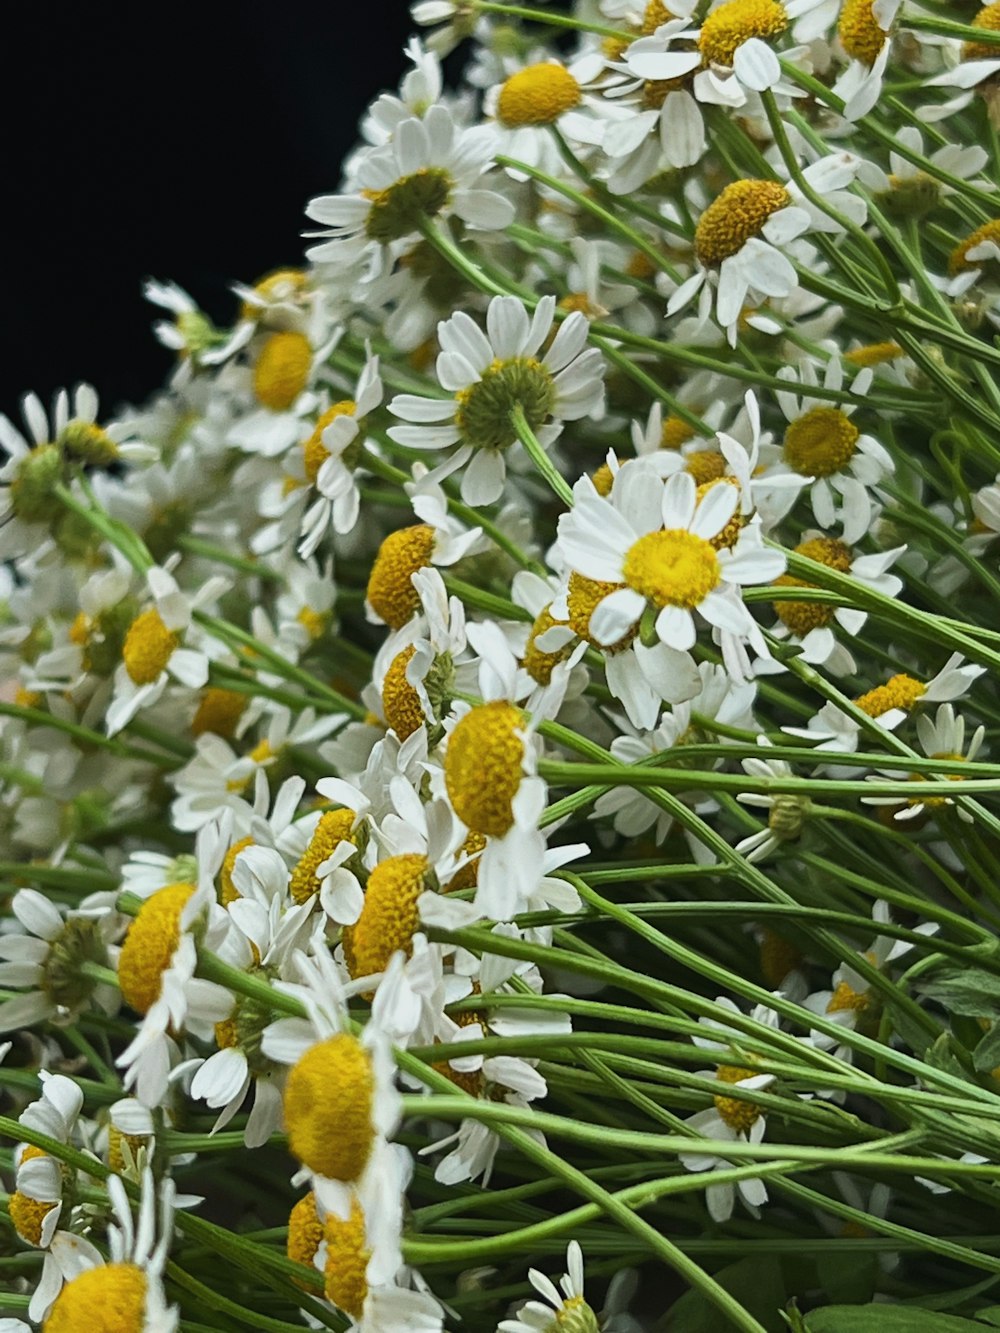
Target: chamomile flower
[
  {"x": 942, "y": 738},
  {"x": 864, "y": 30},
  {"x": 741, "y": 237},
  {"x": 544, "y": 94},
  {"x": 392, "y": 597},
  {"x": 430, "y": 169},
  {"x": 566, "y": 1309},
  {"x": 36, "y": 1204},
  {"x": 489, "y": 375},
  {"x": 787, "y": 814},
  {"x": 130, "y": 1285},
  {"x": 650, "y": 546},
  {"x": 154, "y": 650}
]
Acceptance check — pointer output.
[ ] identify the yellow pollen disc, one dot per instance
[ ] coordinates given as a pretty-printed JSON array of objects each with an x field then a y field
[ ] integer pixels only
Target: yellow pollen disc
[
  {"x": 675, "y": 432},
  {"x": 801, "y": 617},
  {"x": 859, "y": 30},
  {"x": 640, "y": 266},
  {"x": 738, "y": 213},
  {"x": 989, "y": 231},
  {"x": 538, "y": 664},
  {"x": 473, "y": 1082},
  {"x": 613, "y": 48},
  {"x": 400, "y": 701},
  {"x": 988, "y": 19},
  {"x": 582, "y": 598},
  {"x": 313, "y": 622},
  {"x": 468, "y": 876},
  {"x": 740, "y": 1116},
  {"x": 603, "y": 479},
  {"x": 656, "y": 13},
  {"x": 88, "y": 442},
  {"x": 389, "y": 917},
  {"x": 778, "y": 957},
  {"x": 228, "y": 892},
  {"x": 79, "y": 631},
  {"x": 900, "y": 691},
  {"x": 282, "y": 370},
  {"x": 27, "y": 698},
  {"x": 305, "y": 1231},
  {"x": 148, "y": 647},
  {"x": 109, "y": 1299},
  {"x": 390, "y": 592},
  {"x": 28, "y": 1216},
  {"x": 149, "y": 946},
  {"x": 333, "y": 828},
  {"x": 581, "y": 303},
  {"x": 672, "y": 568},
  {"x": 328, "y": 1108},
  {"x": 537, "y": 95},
  {"x": 846, "y": 997},
  {"x": 117, "y": 1142},
  {"x": 936, "y": 802},
  {"x": 218, "y": 712},
  {"x": 820, "y": 442},
  {"x": 874, "y": 354},
  {"x": 726, "y": 538},
  {"x": 729, "y": 26},
  {"x": 656, "y": 91},
  {"x": 314, "y": 450},
  {"x": 344, "y": 1281},
  {"x": 285, "y": 284},
  {"x": 705, "y": 465},
  {"x": 482, "y": 766}
]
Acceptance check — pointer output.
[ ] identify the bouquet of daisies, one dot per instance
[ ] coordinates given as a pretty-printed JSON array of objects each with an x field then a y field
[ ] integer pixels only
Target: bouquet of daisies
[{"x": 497, "y": 821}]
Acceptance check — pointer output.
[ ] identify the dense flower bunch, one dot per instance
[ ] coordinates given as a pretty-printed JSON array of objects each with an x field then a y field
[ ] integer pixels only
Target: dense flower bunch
[{"x": 496, "y": 757}]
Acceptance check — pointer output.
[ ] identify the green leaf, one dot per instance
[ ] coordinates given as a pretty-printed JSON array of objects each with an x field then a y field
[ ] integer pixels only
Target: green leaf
[
  {"x": 987, "y": 1054},
  {"x": 756, "y": 1283},
  {"x": 886, "y": 1319},
  {"x": 990, "y": 1314},
  {"x": 965, "y": 990}
]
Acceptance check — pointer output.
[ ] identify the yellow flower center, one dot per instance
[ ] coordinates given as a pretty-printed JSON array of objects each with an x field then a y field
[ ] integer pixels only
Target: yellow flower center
[
  {"x": 218, "y": 712},
  {"x": 148, "y": 647},
  {"x": 537, "y": 95},
  {"x": 801, "y": 617},
  {"x": 988, "y": 19},
  {"x": 989, "y": 231},
  {"x": 285, "y": 284},
  {"x": 24, "y": 698},
  {"x": 655, "y": 14},
  {"x": 314, "y": 450},
  {"x": 482, "y": 766},
  {"x": 398, "y": 210},
  {"x": 603, "y": 480},
  {"x": 726, "y": 538},
  {"x": 538, "y": 664},
  {"x": 846, "y": 997},
  {"x": 738, "y": 213},
  {"x": 874, "y": 354},
  {"x": 334, "y": 827},
  {"x": 484, "y": 408},
  {"x": 778, "y": 957},
  {"x": 732, "y": 24},
  {"x": 313, "y": 622},
  {"x": 859, "y": 30},
  {"x": 820, "y": 442},
  {"x": 937, "y": 802},
  {"x": 28, "y": 1215},
  {"x": 390, "y": 591},
  {"x": 468, "y": 876},
  {"x": 347, "y": 1255},
  {"x": 282, "y": 370},
  {"x": 89, "y": 443},
  {"x": 109, "y": 1299},
  {"x": 305, "y": 1231},
  {"x": 121, "y": 1147},
  {"x": 705, "y": 465},
  {"x": 675, "y": 432},
  {"x": 900, "y": 691},
  {"x": 740, "y": 1116},
  {"x": 389, "y": 916},
  {"x": 400, "y": 701},
  {"x": 582, "y": 597},
  {"x": 149, "y": 946},
  {"x": 228, "y": 892},
  {"x": 328, "y": 1108},
  {"x": 672, "y": 568}
]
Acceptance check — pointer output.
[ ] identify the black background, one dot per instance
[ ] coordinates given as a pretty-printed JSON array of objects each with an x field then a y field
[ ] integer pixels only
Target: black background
[{"x": 178, "y": 141}]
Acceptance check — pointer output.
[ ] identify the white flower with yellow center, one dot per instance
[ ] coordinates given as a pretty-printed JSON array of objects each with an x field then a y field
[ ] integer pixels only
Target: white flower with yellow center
[
  {"x": 865, "y": 31},
  {"x": 430, "y": 170},
  {"x": 566, "y": 1310},
  {"x": 545, "y": 94},
  {"x": 822, "y": 447},
  {"x": 36, "y": 1203},
  {"x": 283, "y": 386},
  {"x": 742, "y": 236},
  {"x": 489, "y": 375},
  {"x": 392, "y": 597},
  {"x": 153, "y": 651},
  {"x": 787, "y": 813},
  {"x": 305, "y": 606},
  {"x": 340, "y": 1098},
  {"x": 129, "y": 1288},
  {"x": 419, "y": 89},
  {"x": 650, "y": 545},
  {"x": 942, "y": 738},
  {"x": 191, "y": 334}
]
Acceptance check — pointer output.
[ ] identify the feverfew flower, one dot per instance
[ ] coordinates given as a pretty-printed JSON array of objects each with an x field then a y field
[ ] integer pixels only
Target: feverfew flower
[
  {"x": 489, "y": 375},
  {"x": 566, "y": 1306}
]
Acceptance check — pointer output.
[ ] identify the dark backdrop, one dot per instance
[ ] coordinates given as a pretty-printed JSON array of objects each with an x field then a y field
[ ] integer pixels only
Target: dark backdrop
[{"x": 181, "y": 141}]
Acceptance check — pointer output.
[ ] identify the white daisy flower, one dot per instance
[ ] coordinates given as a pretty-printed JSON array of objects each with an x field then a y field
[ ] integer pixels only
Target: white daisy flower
[
  {"x": 865, "y": 34},
  {"x": 541, "y": 95},
  {"x": 786, "y": 814},
  {"x": 430, "y": 169},
  {"x": 566, "y": 1304},
  {"x": 491, "y": 373},
  {"x": 942, "y": 738}
]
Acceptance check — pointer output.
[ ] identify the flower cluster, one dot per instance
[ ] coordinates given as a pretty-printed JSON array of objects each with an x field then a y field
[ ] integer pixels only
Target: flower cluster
[{"x": 495, "y": 756}]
